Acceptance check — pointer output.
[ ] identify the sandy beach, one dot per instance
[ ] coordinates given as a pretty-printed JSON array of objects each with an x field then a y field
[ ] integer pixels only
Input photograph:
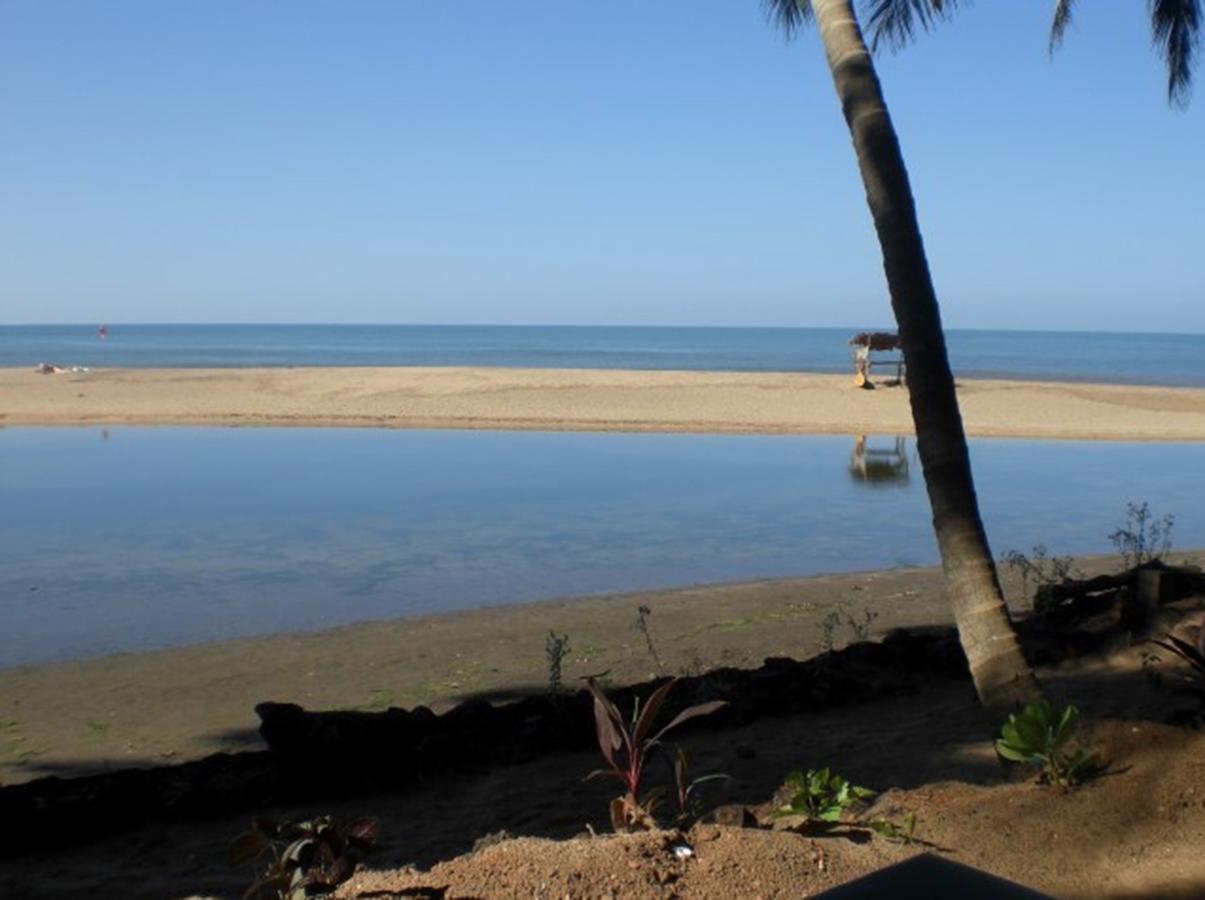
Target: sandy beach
[{"x": 584, "y": 400}]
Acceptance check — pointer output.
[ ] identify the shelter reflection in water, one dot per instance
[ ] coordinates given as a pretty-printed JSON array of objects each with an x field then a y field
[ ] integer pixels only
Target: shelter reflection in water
[{"x": 880, "y": 465}]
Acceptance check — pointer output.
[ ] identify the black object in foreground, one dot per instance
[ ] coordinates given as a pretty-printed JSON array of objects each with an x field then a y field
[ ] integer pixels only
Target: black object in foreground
[{"x": 929, "y": 877}]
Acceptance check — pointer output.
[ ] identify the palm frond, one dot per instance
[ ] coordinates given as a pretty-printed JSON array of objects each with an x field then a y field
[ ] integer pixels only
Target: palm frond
[
  {"x": 898, "y": 21},
  {"x": 1176, "y": 30},
  {"x": 788, "y": 15},
  {"x": 1058, "y": 25}
]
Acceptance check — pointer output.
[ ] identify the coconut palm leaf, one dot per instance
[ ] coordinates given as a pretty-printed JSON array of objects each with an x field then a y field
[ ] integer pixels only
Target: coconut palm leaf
[
  {"x": 1176, "y": 31},
  {"x": 1059, "y": 23},
  {"x": 1175, "y": 28},
  {"x": 897, "y": 22}
]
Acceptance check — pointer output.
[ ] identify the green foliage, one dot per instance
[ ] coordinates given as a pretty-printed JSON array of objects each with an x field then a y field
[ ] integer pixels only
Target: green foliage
[
  {"x": 306, "y": 858},
  {"x": 627, "y": 745},
  {"x": 821, "y": 795},
  {"x": 1143, "y": 538},
  {"x": 1040, "y": 736},
  {"x": 556, "y": 648},
  {"x": 903, "y": 832}
]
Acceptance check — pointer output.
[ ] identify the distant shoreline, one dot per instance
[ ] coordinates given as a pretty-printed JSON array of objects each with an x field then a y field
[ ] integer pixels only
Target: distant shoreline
[
  {"x": 1082, "y": 357},
  {"x": 583, "y": 400}
]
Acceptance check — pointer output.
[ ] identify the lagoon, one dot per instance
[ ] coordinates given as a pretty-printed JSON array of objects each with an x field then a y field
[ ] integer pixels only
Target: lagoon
[{"x": 126, "y": 539}]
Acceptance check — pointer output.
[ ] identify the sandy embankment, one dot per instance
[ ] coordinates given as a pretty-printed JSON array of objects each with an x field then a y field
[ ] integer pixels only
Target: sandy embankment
[{"x": 585, "y": 400}]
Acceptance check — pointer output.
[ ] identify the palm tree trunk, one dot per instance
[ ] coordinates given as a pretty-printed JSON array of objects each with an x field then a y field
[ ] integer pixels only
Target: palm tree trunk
[{"x": 1002, "y": 676}]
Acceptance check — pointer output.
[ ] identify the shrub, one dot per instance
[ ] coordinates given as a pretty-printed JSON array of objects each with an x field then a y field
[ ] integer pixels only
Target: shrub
[
  {"x": 1143, "y": 538},
  {"x": 1040, "y": 568},
  {"x": 312, "y": 857},
  {"x": 1039, "y": 736},
  {"x": 556, "y": 648},
  {"x": 821, "y": 796}
]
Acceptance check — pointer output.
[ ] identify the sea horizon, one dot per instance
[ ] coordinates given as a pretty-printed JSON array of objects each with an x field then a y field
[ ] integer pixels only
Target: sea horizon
[{"x": 1137, "y": 358}]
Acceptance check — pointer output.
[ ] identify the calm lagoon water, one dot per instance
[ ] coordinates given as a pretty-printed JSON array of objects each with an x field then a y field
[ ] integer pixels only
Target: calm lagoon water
[{"x": 134, "y": 538}]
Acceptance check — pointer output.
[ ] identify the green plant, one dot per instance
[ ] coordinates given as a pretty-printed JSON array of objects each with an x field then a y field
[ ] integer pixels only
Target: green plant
[
  {"x": 820, "y": 795},
  {"x": 685, "y": 786},
  {"x": 306, "y": 858},
  {"x": 642, "y": 625},
  {"x": 556, "y": 648},
  {"x": 903, "y": 832},
  {"x": 1143, "y": 538},
  {"x": 1040, "y": 736},
  {"x": 626, "y": 746}
]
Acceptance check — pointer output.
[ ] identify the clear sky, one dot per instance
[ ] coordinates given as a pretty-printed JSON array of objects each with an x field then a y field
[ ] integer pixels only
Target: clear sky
[{"x": 556, "y": 161}]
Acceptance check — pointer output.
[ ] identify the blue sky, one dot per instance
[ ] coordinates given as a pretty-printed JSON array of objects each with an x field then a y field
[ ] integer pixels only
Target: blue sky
[{"x": 556, "y": 161}]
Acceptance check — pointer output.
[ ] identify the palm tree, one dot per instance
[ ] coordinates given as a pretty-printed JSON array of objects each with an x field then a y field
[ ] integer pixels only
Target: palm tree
[
  {"x": 1003, "y": 678},
  {"x": 1175, "y": 32}
]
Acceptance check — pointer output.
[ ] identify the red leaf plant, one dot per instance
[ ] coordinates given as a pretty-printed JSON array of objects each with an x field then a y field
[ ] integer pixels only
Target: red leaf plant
[{"x": 627, "y": 746}]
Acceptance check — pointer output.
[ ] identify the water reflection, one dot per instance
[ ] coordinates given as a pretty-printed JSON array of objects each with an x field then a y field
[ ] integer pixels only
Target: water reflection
[
  {"x": 880, "y": 466},
  {"x": 165, "y": 536}
]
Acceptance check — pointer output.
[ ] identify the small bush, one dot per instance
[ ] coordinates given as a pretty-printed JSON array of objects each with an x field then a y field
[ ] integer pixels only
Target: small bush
[
  {"x": 1040, "y": 569},
  {"x": 307, "y": 858},
  {"x": 1143, "y": 538},
  {"x": 821, "y": 796},
  {"x": 556, "y": 648},
  {"x": 1049, "y": 740},
  {"x": 627, "y": 746}
]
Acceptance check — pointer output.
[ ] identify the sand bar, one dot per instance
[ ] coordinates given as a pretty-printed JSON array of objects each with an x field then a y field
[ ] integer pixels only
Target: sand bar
[{"x": 583, "y": 400}]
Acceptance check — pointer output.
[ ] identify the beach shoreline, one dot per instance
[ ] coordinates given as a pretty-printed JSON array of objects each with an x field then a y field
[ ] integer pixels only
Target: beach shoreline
[
  {"x": 583, "y": 400},
  {"x": 166, "y": 706}
]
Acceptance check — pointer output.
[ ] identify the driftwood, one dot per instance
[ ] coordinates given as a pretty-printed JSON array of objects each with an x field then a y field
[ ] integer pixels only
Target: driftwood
[{"x": 1134, "y": 596}]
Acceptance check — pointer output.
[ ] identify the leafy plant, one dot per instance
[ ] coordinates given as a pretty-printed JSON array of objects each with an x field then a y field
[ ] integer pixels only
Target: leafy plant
[
  {"x": 1039, "y": 736},
  {"x": 821, "y": 795},
  {"x": 627, "y": 745},
  {"x": 903, "y": 832},
  {"x": 1143, "y": 538},
  {"x": 685, "y": 786},
  {"x": 307, "y": 858},
  {"x": 1194, "y": 656},
  {"x": 556, "y": 648}
]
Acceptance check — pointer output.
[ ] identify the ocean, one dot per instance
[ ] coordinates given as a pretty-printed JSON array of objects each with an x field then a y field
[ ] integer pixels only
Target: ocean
[{"x": 1152, "y": 359}]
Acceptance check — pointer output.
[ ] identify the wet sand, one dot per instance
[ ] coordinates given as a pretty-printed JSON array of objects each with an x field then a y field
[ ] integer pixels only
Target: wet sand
[
  {"x": 181, "y": 703},
  {"x": 584, "y": 400}
]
